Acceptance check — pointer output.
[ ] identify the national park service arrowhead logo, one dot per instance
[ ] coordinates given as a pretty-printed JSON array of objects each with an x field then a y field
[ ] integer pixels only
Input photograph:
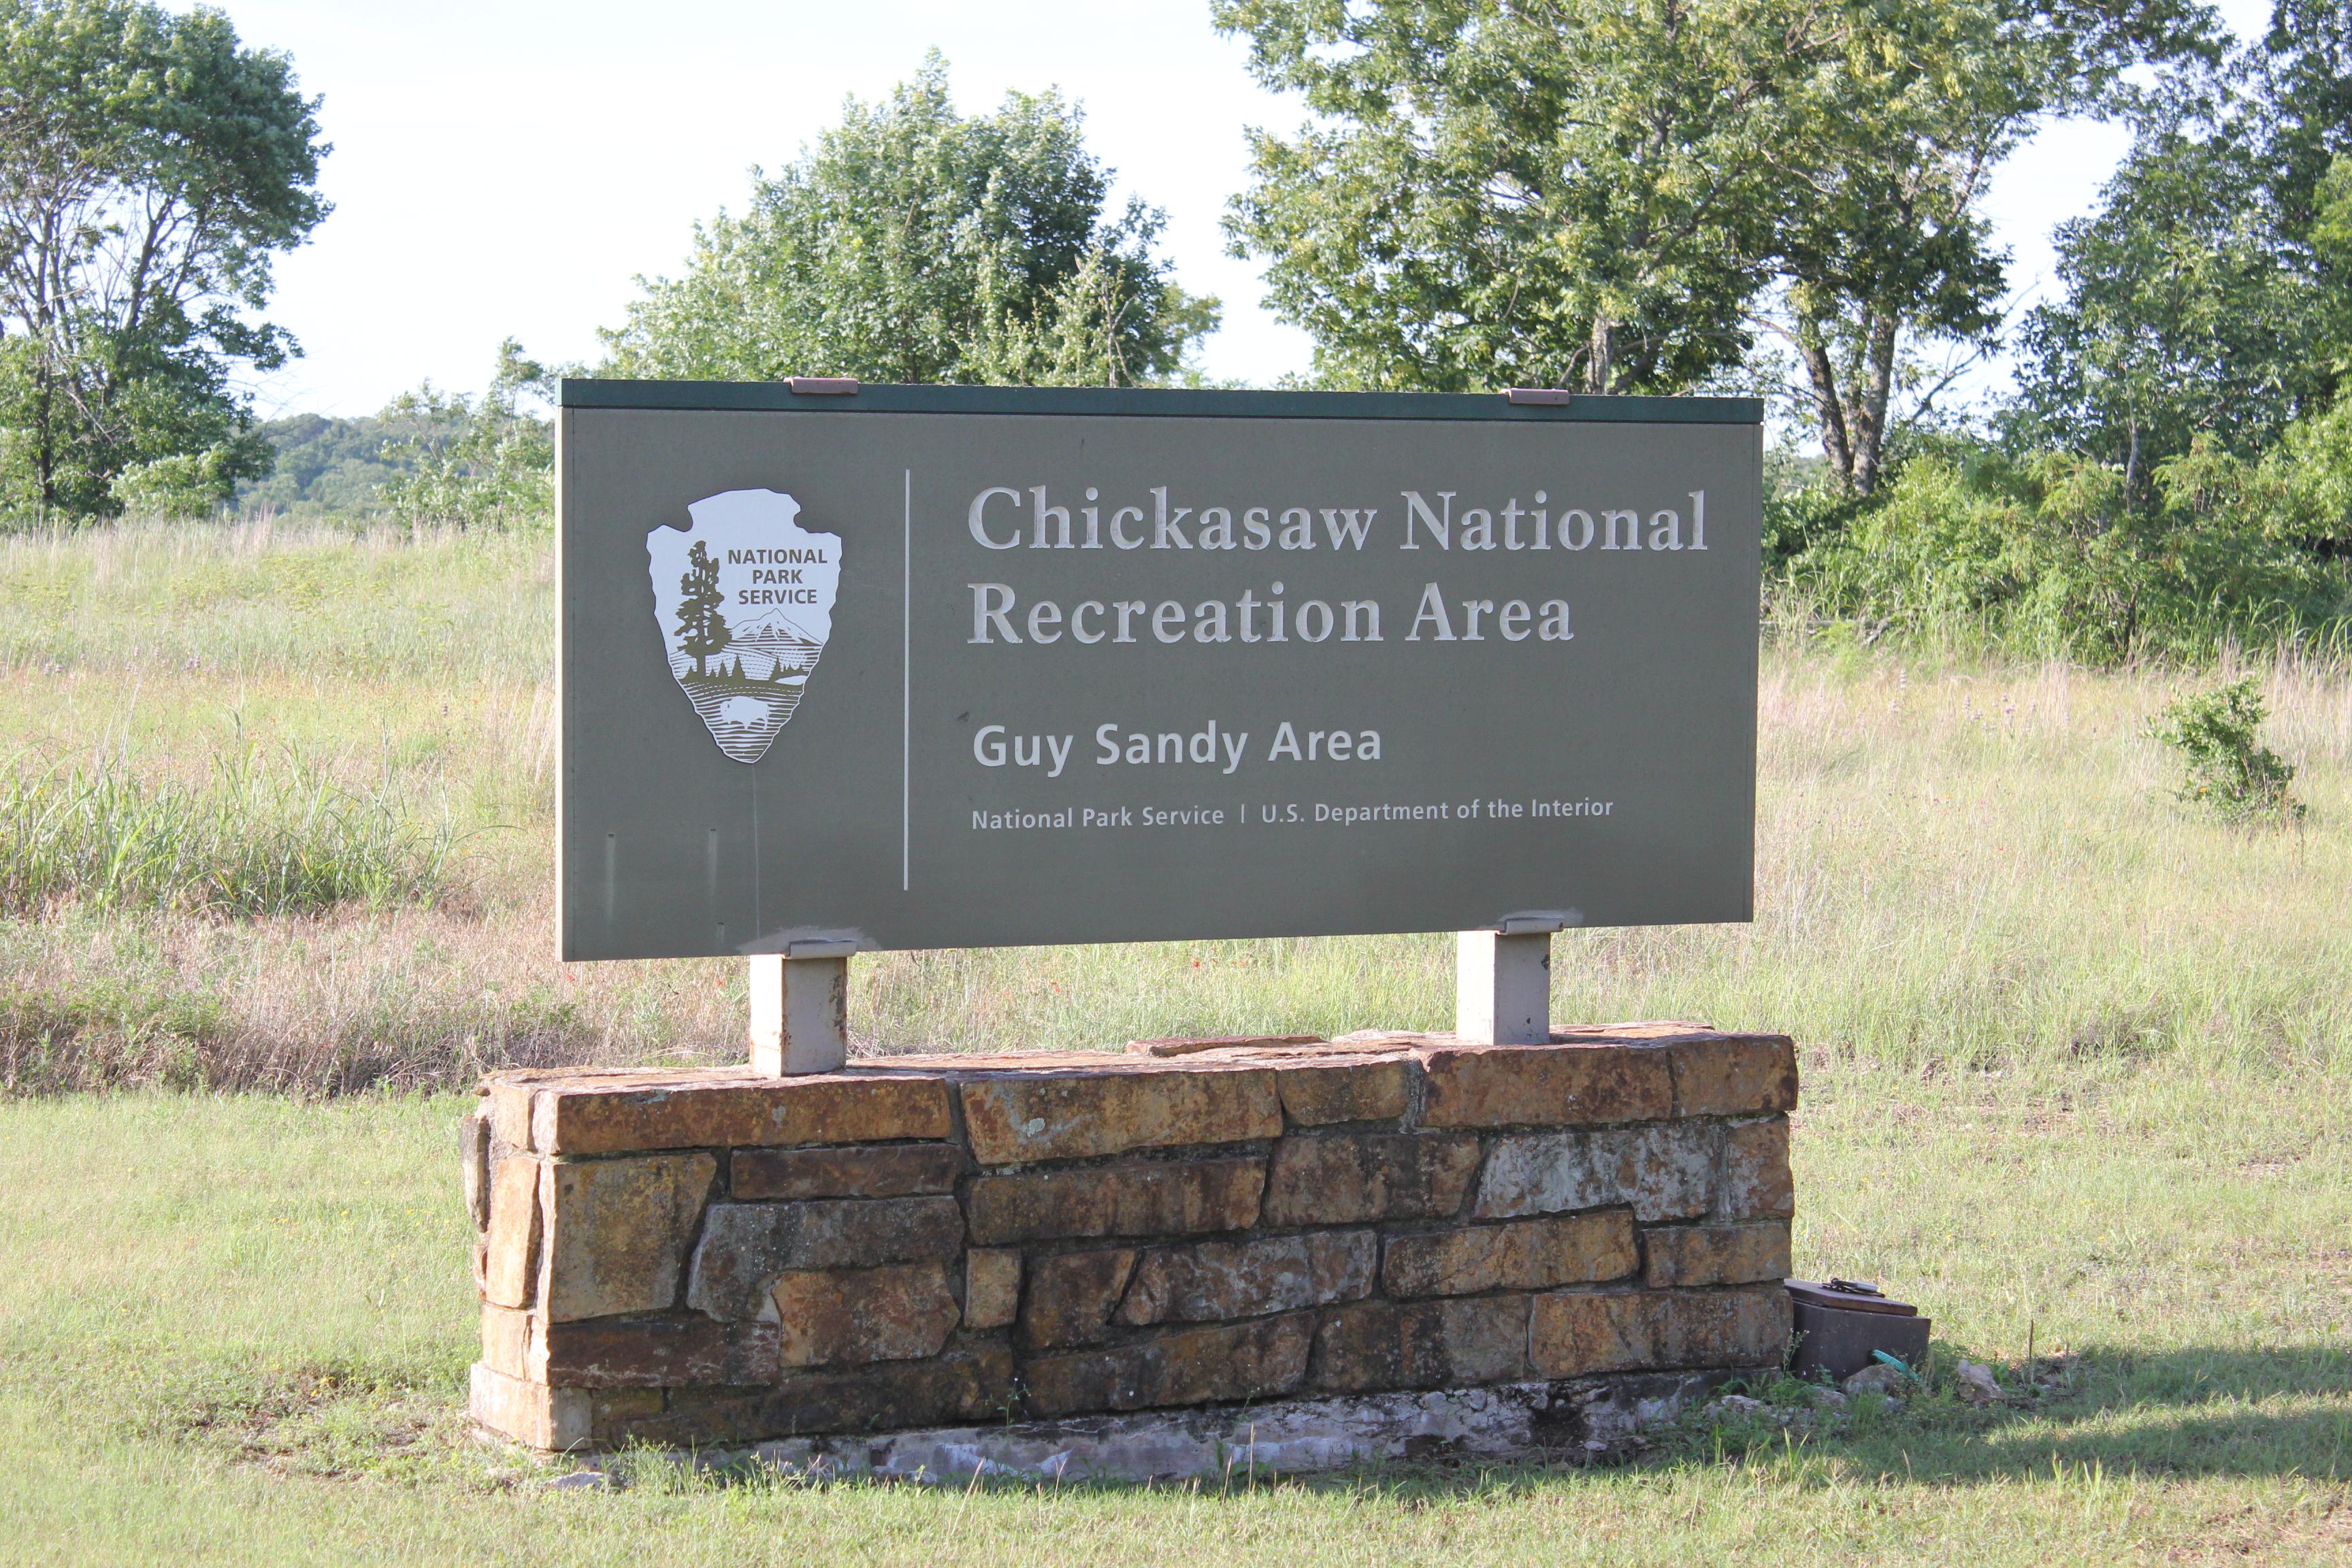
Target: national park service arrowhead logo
[{"x": 745, "y": 600}]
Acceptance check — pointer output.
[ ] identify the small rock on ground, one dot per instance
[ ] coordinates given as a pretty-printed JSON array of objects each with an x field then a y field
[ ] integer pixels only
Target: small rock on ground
[
  {"x": 1879, "y": 1379},
  {"x": 580, "y": 1481},
  {"x": 1976, "y": 1383}
]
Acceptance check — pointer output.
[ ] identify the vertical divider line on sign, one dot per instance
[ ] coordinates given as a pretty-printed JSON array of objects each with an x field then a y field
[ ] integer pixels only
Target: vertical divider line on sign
[{"x": 906, "y": 685}]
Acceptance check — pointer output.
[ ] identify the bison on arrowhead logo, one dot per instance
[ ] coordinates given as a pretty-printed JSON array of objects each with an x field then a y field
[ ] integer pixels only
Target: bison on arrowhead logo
[{"x": 745, "y": 601}]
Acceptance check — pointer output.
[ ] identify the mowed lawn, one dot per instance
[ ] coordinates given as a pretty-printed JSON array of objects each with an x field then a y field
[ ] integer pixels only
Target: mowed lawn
[
  {"x": 2075, "y": 1077},
  {"x": 234, "y": 1330}
]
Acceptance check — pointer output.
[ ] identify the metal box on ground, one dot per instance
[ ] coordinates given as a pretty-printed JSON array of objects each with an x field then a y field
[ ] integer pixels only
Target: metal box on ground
[{"x": 1841, "y": 1325}]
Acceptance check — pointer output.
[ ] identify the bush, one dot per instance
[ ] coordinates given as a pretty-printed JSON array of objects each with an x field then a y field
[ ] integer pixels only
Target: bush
[
  {"x": 2229, "y": 773},
  {"x": 185, "y": 486},
  {"x": 2048, "y": 554}
]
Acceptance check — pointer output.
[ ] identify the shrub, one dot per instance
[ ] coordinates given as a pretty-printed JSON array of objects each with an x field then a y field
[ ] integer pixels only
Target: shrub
[
  {"x": 2228, "y": 772},
  {"x": 2050, "y": 555},
  {"x": 186, "y": 486}
]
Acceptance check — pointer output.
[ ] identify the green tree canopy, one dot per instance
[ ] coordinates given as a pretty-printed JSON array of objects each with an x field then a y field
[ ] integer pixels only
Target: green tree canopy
[
  {"x": 2186, "y": 313},
  {"x": 470, "y": 463},
  {"x": 1607, "y": 193},
  {"x": 1881, "y": 242},
  {"x": 1565, "y": 192},
  {"x": 2210, "y": 297},
  {"x": 150, "y": 168},
  {"x": 914, "y": 243},
  {"x": 2304, "y": 70}
]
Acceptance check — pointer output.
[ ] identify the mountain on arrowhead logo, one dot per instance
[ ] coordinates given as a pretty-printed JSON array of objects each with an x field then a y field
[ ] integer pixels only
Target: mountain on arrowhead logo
[{"x": 745, "y": 601}]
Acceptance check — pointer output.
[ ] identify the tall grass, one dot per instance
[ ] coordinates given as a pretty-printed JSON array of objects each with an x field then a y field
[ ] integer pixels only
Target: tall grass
[
  {"x": 1962, "y": 860},
  {"x": 252, "y": 840},
  {"x": 2074, "y": 1076},
  {"x": 152, "y": 599}
]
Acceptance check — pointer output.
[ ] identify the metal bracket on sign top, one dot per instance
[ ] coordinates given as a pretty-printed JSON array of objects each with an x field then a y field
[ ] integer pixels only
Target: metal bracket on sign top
[{"x": 1538, "y": 922}]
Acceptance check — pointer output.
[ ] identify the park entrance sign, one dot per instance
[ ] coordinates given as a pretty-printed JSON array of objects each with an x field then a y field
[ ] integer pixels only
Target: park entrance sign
[
  {"x": 847, "y": 669},
  {"x": 907, "y": 667}
]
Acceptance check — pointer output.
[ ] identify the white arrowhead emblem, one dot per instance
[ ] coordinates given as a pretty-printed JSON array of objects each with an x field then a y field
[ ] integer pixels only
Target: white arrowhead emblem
[{"x": 745, "y": 601}]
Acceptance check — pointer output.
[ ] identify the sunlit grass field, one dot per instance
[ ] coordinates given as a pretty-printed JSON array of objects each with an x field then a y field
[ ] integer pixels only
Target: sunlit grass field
[{"x": 2077, "y": 1074}]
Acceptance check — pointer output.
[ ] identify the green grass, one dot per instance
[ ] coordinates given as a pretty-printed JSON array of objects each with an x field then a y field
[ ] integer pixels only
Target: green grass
[
  {"x": 261, "y": 836},
  {"x": 254, "y": 600},
  {"x": 2076, "y": 1064},
  {"x": 235, "y": 1329}
]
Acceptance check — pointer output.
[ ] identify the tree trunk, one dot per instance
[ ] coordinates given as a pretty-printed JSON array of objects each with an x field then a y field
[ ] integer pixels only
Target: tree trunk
[
  {"x": 1853, "y": 425},
  {"x": 1868, "y": 423},
  {"x": 1602, "y": 369},
  {"x": 1828, "y": 407},
  {"x": 45, "y": 447}
]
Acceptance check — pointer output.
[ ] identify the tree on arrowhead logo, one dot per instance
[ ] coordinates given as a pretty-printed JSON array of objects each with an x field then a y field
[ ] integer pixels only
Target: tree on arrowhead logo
[{"x": 745, "y": 601}]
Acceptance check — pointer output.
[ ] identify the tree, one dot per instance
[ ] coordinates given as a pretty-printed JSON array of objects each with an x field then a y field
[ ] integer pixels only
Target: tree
[
  {"x": 150, "y": 168},
  {"x": 1552, "y": 193},
  {"x": 701, "y": 629},
  {"x": 2303, "y": 70},
  {"x": 914, "y": 243},
  {"x": 2187, "y": 311},
  {"x": 1601, "y": 190},
  {"x": 1881, "y": 242},
  {"x": 474, "y": 465},
  {"x": 2210, "y": 298}
]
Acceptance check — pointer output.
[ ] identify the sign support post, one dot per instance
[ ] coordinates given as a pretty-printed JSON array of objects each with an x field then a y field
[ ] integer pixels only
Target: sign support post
[
  {"x": 800, "y": 1009},
  {"x": 1502, "y": 984}
]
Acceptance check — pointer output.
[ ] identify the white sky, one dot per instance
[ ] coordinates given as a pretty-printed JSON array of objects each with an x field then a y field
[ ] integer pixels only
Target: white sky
[{"x": 509, "y": 166}]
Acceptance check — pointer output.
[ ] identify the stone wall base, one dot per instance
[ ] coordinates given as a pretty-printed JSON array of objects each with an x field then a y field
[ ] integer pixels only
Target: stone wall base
[
  {"x": 711, "y": 1260},
  {"x": 1577, "y": 1419}
]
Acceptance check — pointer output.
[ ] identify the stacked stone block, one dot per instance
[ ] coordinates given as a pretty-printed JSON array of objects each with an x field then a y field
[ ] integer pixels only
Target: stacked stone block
[{"x": 715, "y": 1257}]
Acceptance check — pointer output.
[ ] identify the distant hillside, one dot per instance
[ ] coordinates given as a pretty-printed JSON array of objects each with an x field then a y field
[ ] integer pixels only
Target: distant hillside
[{"x": 326, "y": 467}]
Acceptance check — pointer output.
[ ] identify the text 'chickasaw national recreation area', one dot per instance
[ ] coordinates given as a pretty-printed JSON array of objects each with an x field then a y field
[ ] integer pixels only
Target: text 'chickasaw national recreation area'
[{"x": 996, "y": 607}]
